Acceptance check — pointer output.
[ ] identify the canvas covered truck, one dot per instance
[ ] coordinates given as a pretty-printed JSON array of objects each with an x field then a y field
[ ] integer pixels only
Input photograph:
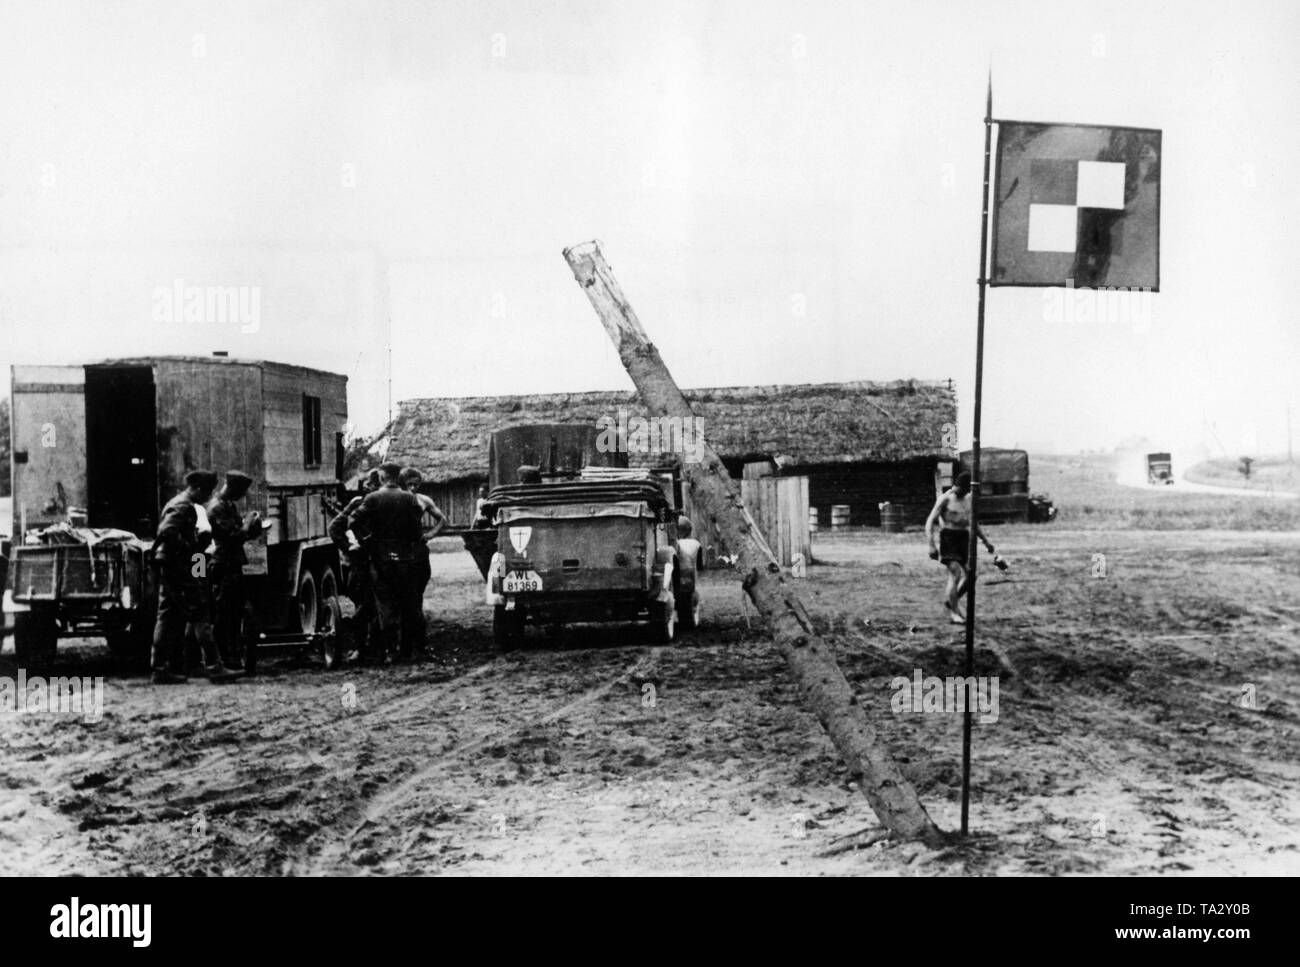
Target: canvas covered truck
[
  {"x": 1160, "y": 468},
  {"x": 586, "y": 539},
  {"x": 588, "y": 550},
  {"x": 105, "y": 445}
]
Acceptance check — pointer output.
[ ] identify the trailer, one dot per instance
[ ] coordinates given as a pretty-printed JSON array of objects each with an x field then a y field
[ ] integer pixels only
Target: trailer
[{"x": 117, "y": 438}]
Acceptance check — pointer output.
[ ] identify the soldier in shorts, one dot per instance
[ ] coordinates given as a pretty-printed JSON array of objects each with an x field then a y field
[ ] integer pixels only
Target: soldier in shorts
[{"x": 952, "y": 512}]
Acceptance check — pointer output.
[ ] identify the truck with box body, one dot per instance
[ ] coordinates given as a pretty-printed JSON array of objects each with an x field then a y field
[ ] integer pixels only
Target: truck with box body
[{"x": 117, "y": 439}]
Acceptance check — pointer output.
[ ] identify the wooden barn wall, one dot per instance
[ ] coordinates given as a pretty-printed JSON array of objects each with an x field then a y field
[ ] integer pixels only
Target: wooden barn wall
[
  {"x": 209, "y": 417},
  {"x": 456, "y": 499},
  {"x": 864, "y": 486},
  {"x": 282, "y": 391}
]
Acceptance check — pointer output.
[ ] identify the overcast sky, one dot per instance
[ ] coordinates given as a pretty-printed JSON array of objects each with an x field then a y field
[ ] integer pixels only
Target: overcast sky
[{"x": 788, "y": 192}]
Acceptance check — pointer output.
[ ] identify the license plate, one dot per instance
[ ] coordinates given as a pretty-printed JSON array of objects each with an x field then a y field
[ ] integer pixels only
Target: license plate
[{"x": 520, "y": 581}]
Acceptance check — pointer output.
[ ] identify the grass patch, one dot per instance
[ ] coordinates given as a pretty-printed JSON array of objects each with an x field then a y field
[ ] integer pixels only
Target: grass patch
[
  {"x": 1266, "y": 473},
  {"x": 1087, "y": 496}
]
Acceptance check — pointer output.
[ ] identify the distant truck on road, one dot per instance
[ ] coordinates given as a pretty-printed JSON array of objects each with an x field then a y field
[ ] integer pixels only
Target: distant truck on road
[
  {"x": 116, "y": 439},
  {"x": 1160, "y": 468}
]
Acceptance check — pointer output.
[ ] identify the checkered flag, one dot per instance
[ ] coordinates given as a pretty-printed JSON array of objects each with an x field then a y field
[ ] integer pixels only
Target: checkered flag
[{"x": 1077, "y": 204}]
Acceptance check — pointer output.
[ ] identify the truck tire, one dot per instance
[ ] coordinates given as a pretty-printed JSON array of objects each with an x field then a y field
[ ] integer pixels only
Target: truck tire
[
  {"x": 308, "y": 603},
  {"x": 328, "y": 588},
  {"x": 330, "y": 628},
  {"x": 507, "y": 628},
  {"x": 36, "y": 637}
]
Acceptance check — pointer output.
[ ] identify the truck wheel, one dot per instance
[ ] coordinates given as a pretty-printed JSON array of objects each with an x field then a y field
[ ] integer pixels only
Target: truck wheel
[
  {"x": 36, "y": 637},
  {"x": 688, "y": 611},
  {"x": 308, "y": 603},
  {"x": 663, "y": 617},
  {"x": 329, "y": 587},
  {"x": 329, "y": 626},
  {"x": 507, "y": 628}
]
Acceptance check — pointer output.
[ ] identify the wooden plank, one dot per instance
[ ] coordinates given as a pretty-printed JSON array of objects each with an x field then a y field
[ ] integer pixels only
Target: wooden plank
[
  {"x": 209, "y": 416},
  {"x": 779, "y": 506},
  {"x": 48, "y": 420}
]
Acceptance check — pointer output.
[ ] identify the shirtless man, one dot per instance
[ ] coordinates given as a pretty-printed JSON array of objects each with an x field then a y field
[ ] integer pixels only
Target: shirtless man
[
  {"x": 432, "y": 520},
  {"x": 952, "y": 512}
]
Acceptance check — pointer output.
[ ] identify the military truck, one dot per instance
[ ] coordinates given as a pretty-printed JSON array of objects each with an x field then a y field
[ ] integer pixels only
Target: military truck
[
  {"x": 587, "y": 551},
  {"x": 1160, "y": 468},
  {"x": 583, "y": 539},
  {"x": 117, "y": 438},
  {"x": 1004, "y": 484}
]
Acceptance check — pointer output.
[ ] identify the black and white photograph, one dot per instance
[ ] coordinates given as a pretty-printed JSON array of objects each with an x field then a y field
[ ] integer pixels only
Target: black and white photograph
[{"x": 698, "y": 438}]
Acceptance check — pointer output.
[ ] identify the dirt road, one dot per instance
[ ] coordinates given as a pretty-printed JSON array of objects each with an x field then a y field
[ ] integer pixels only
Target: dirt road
[{"x": 1121, "y": 744}]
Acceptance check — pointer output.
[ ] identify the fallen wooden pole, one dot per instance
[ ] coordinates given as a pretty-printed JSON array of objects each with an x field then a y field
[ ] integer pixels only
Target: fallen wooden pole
[{"x": 821, "y": 682}]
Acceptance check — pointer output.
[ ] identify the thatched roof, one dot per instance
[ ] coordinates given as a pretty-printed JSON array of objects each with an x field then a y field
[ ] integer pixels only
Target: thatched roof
[{"x": 801, "y": 425}]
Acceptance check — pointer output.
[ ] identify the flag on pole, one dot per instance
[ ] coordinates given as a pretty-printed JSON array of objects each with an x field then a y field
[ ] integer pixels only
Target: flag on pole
[{"x": 1077, "y": 203}]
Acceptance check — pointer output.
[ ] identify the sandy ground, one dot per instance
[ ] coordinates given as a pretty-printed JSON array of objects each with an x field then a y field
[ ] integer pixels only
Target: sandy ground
[{"x": 1120, "y": 747}]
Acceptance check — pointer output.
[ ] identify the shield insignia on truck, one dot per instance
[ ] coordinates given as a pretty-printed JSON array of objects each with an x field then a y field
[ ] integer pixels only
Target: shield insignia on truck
[{"x": 519, "y": 538}]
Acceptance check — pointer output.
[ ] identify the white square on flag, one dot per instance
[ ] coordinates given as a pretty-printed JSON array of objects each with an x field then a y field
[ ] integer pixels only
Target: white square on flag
[
  {"x": 1077, "y": 204},
  {"x": 1053, "y": 228},
  {"x": 1101, "y": 184}
]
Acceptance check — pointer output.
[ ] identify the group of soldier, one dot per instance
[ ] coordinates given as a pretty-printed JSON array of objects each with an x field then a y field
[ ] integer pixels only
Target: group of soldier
[
  {"x": 198, "y": 560},
  {"x": 383, "y": 535},
  {"x": 199, "y": 557}
]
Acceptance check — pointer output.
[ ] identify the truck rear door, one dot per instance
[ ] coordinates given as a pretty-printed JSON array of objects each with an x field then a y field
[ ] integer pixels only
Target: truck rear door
[{"x": 47, "y": 443}]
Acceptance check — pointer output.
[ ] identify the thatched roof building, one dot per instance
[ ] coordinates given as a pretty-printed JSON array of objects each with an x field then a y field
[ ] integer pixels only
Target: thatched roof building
[
  {"x": 800, "y": 425},
  {"x": 858, "y": 443}
]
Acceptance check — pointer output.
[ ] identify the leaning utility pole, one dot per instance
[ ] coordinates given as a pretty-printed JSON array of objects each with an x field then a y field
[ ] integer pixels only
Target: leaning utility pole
[{"x": 821, "y": 682}]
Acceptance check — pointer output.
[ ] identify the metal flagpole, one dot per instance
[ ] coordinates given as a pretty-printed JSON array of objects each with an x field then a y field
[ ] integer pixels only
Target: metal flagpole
[{"x": 975, "y": 473}]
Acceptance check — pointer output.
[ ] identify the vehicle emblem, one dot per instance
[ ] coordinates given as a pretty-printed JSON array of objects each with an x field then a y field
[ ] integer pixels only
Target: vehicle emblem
[{"x": 519, "y": 538}]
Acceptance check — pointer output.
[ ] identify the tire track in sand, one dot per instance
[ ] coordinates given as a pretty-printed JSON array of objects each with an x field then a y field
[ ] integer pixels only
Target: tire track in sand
[{"x": 407, "y": 791}]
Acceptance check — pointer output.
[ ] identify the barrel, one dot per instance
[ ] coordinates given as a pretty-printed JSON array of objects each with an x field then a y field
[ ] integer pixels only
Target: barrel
[
  {"x": 839, "y": 516},
  {"x": 891, "y": 517},
  {"x": 813, "y": 520}
]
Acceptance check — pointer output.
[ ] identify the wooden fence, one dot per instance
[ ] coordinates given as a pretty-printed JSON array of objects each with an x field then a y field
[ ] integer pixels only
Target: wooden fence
[{"x": 779, "y": 506}]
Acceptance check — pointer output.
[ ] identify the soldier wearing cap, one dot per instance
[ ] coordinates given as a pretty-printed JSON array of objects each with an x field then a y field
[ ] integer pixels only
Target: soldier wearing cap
[
  {"x": 184, "y": 595},
  {"x": 230, "y": 531},
  {"x": 388, "y": 526}
]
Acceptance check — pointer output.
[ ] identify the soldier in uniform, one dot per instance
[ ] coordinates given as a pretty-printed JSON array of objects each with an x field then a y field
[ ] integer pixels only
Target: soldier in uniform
[
  {"x": 229, "y": 532},
  {"x": 387, "y": 524},
  {"x": 358, "y": 562},
  {"x": 184, "y": 595}
]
